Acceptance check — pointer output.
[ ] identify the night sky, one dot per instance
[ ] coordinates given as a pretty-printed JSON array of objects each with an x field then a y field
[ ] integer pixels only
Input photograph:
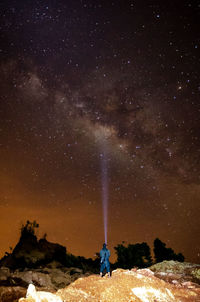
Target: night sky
[{"x": 84, "y": 79}]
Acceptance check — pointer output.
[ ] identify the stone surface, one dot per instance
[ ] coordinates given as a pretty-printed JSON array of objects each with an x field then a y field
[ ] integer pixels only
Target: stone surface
[
  {"x": 127, "y": 285},
  {"x": 39, "y": 296},
  {"x": 170, "y": 281},
  {"x": 11, "y": 294},
  {"x": 60, "y": 279},
  {"x": 46, "y": 279},
  {"x": 4, "y": 275},
  {"x": 37, "y": 278},
  {"x": 196, "y": 273},
  {"x": 171, "y": 271}
]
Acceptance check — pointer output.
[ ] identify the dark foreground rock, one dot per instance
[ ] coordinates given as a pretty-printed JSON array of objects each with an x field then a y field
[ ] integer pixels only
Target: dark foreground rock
[
  {"x": 124, "y": 285},
  {"x": 46, "y": 278},
  {"x": 11, "y": 294},
  {"x": 13, "y": 285}
]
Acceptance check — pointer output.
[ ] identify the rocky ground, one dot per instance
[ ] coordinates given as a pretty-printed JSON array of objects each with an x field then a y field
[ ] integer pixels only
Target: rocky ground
[
  {"x": 124, "y": 285},
  {"x": 177, "y": 272},
  {"x": 13, "y": 285},
  {"x": 165, "y": 282}
]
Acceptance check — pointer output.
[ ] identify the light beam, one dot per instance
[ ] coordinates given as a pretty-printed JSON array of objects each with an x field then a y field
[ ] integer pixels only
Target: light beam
[{"x": 104, "y": 184}]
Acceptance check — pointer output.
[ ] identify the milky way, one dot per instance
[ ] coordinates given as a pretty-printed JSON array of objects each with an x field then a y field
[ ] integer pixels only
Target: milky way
[{"x": 76, "y": 72}]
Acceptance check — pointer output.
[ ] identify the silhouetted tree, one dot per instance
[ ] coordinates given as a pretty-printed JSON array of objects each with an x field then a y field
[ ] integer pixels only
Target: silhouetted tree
[
  {"x": 29, "y": 228},
  {"x": 138, "y": 255},
  {"x": 162, "y": 253}
]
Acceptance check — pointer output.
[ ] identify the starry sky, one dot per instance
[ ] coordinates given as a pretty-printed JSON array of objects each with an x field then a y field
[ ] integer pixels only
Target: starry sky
[{"x": 81, "y": 79}]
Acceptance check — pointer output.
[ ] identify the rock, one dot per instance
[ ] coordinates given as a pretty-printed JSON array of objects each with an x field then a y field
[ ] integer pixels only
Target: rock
[
  {"x": 33, "y": 296},
  {"x": 127, "y": 285},
  {"x": 54, "y": 264},
  {"x": 146, "y": 272},
  {"x": 37, "y": 278},
  {"x": 63, "y": 276},
  {"x": 174, "y": 267},
  {"x": 152, "y": 294},
  {"x": 59, "y": 279},
  {"x": 196, "y": 273},
  {"x": 75, "y": 270},
  {"x": 4, "y": 275},
  {"x": 53, "y": 251},
  {"x": 174, "y": 270},
  {"x": 188, "y": 284},
  {"x": 45, "y": 278},
  {"x": 11, "y": 294},
  {"x": 140, "y": 285},
  {"x": 30, "y": 258}
]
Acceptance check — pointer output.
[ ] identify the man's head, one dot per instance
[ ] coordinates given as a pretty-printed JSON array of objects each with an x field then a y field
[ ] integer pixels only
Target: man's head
[{"x": 104, "y": 245}]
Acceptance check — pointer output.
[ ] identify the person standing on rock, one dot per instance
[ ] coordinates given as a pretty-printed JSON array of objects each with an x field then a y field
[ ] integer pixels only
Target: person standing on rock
[{"x": 104, "y": 255}]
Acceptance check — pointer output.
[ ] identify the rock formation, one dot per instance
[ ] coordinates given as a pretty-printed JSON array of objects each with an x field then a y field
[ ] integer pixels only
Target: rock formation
[
  {"x": 13, "y": 285},
  {"x": 174, "y": 271},
  {"x": 125, "y": 285},
  {"x": 33, "y": 295},
  {"x": 30, "y": 252}
]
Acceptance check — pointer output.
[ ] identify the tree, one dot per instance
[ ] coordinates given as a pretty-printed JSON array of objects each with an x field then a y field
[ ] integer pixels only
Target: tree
[
  {"x": 138, "y": 255},
  {"x": 29, "y": 228},
  {"x": 162, "y": 253}
]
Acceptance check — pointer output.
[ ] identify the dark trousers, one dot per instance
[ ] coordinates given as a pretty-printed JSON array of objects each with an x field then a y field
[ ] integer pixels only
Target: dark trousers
[{"x": 104, "y": 265}]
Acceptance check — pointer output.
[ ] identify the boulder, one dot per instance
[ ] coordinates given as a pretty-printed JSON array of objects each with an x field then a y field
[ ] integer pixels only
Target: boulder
[
  {"x": 11, "y": 294},
  {"x": 37, "y": 278},
  {"x": 124, "y": 285},
  {"x": 174, "y": 267},
  {"x": 127, "y": 285},
  {"x": 179, "y": 271},
  {"x": 4, "y": 275},
  {"x": 75, "y": 270},
  {"x": 44, "y": 278},
  {"x": 59, "y": 279},
  {"x": 54, "y": 264},
  {"x": 33, "y": 296},
  {"x": 196, "y": 274}
]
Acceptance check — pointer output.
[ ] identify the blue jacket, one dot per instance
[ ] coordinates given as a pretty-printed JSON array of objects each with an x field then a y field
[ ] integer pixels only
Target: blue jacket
[{"x": 104, "y": 254}]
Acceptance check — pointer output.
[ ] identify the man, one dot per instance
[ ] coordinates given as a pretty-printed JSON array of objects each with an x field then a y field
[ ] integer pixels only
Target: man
[{"x": 104, "y": 255}]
